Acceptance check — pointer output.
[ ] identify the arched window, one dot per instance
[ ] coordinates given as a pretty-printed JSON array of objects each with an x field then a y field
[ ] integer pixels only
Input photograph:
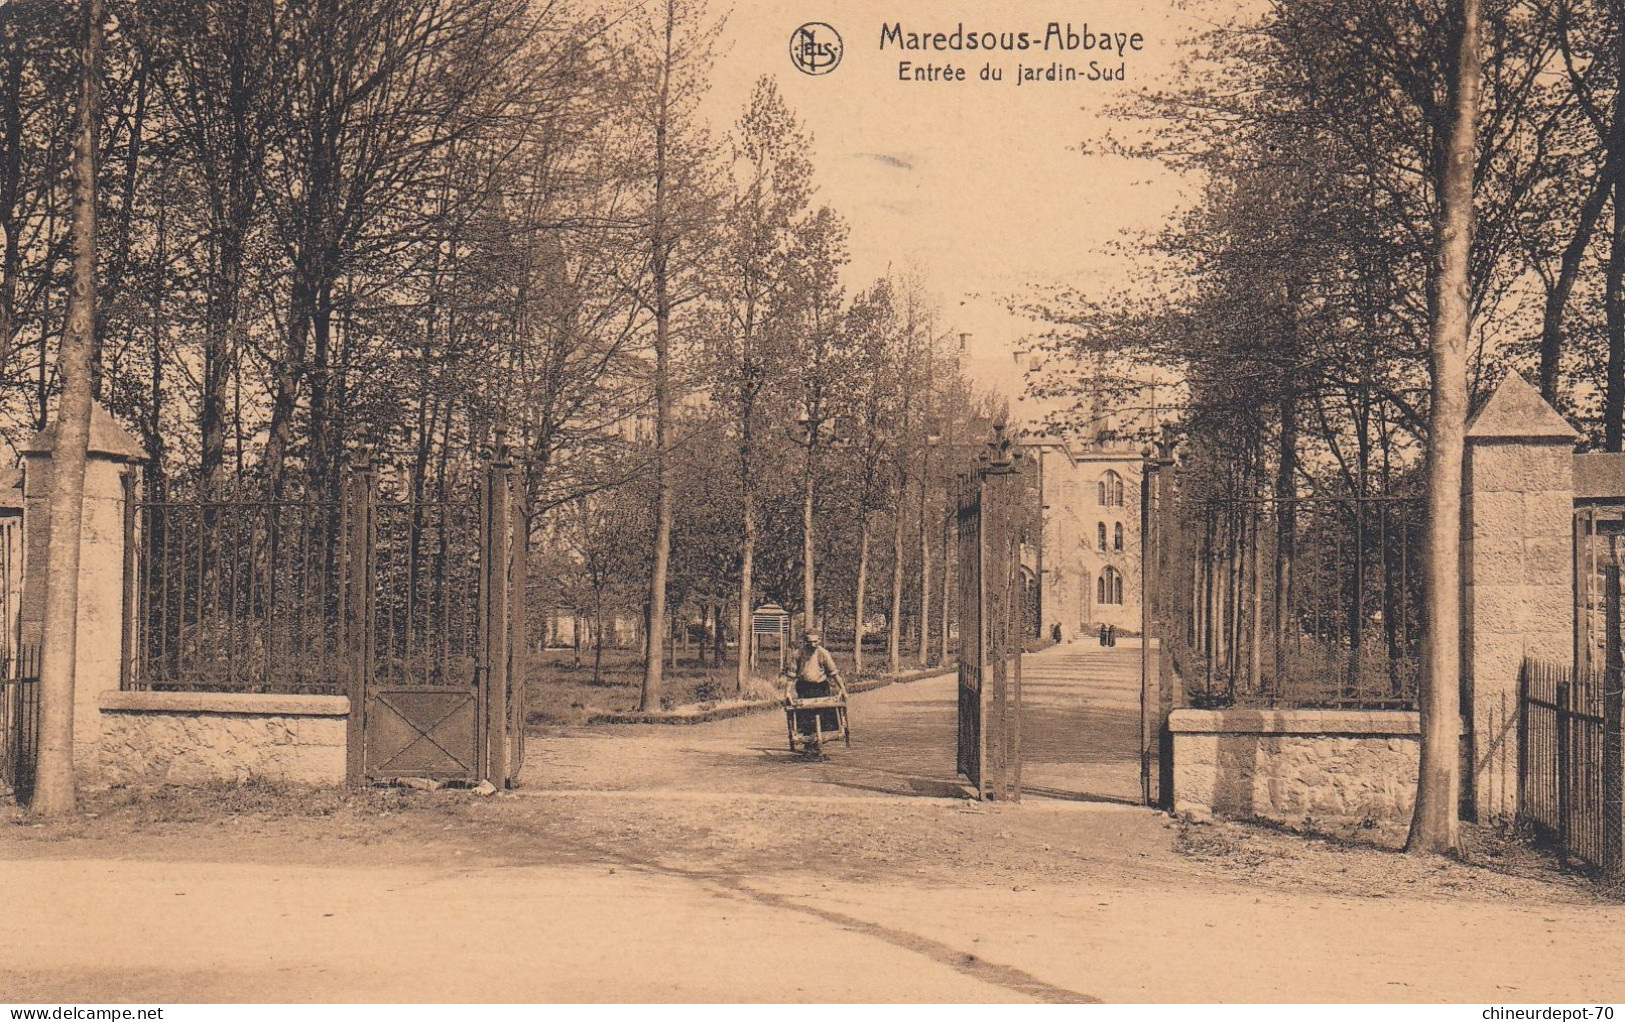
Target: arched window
[
  {"x": 1111, "y": 490},
  {"x": 1109, "y": 587},
  {"x": 1117, "y": 536},
  {"x": 1100, "y": 531}
]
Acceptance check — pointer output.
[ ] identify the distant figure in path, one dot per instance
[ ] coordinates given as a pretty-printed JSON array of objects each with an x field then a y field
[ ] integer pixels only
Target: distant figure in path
[
  {"x": 811, "y": 675},
  {"x": 812, "y": 671}
]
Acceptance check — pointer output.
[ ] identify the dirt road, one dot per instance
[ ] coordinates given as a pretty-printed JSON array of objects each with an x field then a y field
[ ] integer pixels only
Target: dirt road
[
  {"x": 1080, "y": 741},
  {"x": 702, "y": 863}
]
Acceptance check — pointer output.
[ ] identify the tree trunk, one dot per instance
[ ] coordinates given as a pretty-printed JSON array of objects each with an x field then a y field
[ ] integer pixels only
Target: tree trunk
[
  {"x": 719, "y": 644},
  {"x": 324, "y": 441},
  {"x": 860, "y": 609},
  {"x": 116, "y": 263},
  {"x": 11, "y": 149},
  {"x": 289, "y": 370},
  {"x": 218, "y": 351},
  {"x": 747, "y": 567},
  {"x": 575, "y": 634},
  {"x": 947, "y": 569},
  {"x": 1613, "y": 415},
  {"x": 1613, "y": 412},
  {"x": 598, "y": 637},
  {"x": 1234, "y": 564},
  {"x": 1286, "y": 530},
  {"x": 1255, "y": 667},
  {"x": 55, "y": 790},
  {"x": 653, "y": 668},
  {"x": 809, "y": 571},
  {"x": 925, "y": 576},
  {"x": 895, "y": 642},
  {"x": 706, "y": 625},
  {"x": 1434, "y": 826}
]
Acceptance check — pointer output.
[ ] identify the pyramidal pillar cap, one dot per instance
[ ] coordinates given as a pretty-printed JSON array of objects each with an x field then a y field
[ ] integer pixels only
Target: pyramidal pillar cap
[
  {"x": 1516, "y": 411},
  {"x": 108, "y": 439}
]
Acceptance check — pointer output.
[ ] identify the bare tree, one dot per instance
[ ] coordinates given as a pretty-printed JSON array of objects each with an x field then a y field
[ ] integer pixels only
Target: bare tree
[
  {"x": 822, "y": 351},
  {"x": 226, "y": 93},
  {"x": 678, "y": 211},
  {"x": 771, "y": 193},
  {"x": 373, "y": 105},
  {"x": 873, "y": 322}
]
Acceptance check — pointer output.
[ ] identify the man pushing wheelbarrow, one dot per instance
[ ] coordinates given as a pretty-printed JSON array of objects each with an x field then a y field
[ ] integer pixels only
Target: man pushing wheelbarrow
[{"x": 814, "y": 698}]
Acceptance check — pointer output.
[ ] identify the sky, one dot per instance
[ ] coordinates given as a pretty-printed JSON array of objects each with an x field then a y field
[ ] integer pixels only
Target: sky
[{"x": 978, "y": 184}]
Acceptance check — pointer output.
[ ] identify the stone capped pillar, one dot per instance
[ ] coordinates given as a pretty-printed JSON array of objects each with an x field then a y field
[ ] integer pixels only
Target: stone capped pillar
[
  {"x": 1517, "y": 573},
  {"x": 112, "y": 456}
]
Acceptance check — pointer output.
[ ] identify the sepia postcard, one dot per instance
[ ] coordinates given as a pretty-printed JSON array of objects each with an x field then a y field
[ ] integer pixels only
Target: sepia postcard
[{"x": 620, "y": 502}]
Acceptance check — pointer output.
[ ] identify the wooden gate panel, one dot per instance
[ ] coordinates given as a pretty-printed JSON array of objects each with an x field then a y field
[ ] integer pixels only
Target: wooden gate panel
[{"x": 423, "y": 732}]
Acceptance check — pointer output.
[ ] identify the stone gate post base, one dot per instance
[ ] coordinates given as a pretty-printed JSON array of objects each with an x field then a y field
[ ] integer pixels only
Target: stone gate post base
[{"x": 113, "y": 458}]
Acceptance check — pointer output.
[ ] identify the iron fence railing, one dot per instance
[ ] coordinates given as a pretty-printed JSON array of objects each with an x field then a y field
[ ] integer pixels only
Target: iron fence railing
[
  {"x": 1311, "y": 602},
  {"x": 250, "y": 595},
  {"x": 426, "y": 560},
  {"x": 1569, "y": 763},
  {"x": 19, "y": 722},
  {"x": 234, "y": 596}
]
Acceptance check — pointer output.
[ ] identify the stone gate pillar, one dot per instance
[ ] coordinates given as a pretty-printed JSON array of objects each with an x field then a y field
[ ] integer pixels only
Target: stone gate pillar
[
  {"x": 1517, "y": 574},
  {"x": 112, "y": 455}
]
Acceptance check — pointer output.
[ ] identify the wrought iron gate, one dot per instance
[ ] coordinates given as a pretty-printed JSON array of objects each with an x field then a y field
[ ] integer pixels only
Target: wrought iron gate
[
  {"x": 19, "y": 670},
  {"x": 990, "y": 628},
  {"x": 1569, "y": 762},
  {"x": 19, "y": 723},
  {"x": 437, "y": 645}
]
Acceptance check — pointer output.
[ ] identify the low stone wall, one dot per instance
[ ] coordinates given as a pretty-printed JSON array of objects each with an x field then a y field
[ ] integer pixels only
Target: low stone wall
[
  {"x": 1288, "y": 764},
  {"x": 194, "y": 737}
]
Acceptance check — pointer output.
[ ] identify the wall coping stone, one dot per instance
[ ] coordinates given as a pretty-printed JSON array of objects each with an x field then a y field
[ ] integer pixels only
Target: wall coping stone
[
  {"x": 250, "y": 703},
  {"x": 108, "y": 439},
  {"x": 1295, "y": 722},
  {"x": 1599, "y": 475}
]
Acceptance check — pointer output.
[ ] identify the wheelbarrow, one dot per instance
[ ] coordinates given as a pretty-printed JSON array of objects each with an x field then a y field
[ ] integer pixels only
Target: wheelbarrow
[{"x": 810, "y": 722}]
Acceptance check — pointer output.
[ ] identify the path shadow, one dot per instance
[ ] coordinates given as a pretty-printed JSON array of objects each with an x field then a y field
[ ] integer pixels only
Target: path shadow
[
  {"x": 917, "y": 787},
  {"x": 1058, "y": 795}
]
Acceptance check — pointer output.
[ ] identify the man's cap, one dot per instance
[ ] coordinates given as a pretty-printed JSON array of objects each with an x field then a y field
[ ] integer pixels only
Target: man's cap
[{"x": 812, "y": 636}]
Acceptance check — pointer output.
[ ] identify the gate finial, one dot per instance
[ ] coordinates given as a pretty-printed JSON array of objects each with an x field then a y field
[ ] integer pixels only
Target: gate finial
[
  {"x": 998, "y": 454},
  {"x": 501, "y": 452}
]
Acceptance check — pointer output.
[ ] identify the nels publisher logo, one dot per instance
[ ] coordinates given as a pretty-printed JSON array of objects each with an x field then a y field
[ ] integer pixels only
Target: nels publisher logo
[{"x": 815, "y": 48}]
